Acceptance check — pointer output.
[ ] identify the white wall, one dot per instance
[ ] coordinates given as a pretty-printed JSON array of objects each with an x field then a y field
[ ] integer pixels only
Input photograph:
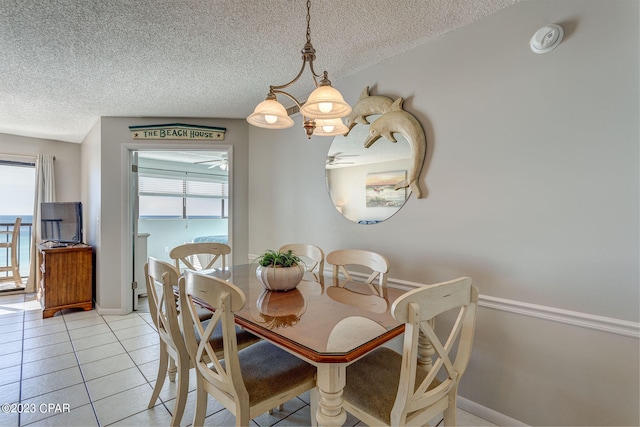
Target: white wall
[{"x": 532, "y": 185}]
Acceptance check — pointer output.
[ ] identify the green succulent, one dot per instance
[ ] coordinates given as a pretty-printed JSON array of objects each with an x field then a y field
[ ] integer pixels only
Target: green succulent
[{"x": 271, "y": 258}]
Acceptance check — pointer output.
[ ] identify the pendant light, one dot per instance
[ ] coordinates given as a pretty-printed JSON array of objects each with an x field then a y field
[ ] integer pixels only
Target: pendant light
[{"x": 324, "y": 103}]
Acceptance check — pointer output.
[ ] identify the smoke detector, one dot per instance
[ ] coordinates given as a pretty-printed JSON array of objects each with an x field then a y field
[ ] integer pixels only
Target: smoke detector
[{"x": 546, "y": 38}]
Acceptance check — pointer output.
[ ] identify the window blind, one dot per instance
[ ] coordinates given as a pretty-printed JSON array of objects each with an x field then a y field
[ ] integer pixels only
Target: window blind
[
  {"x": 181, "y": 187},
  {"x": 171, "y": 194}
]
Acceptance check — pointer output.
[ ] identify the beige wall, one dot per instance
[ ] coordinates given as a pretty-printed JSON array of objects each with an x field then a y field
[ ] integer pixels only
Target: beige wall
[
  {"x": 67, "y": 166},
  {"x": 532, "y": 182}
]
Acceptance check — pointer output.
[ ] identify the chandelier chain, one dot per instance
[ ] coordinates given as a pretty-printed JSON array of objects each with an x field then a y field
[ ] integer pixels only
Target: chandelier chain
[{"x": 308, "y": 21}]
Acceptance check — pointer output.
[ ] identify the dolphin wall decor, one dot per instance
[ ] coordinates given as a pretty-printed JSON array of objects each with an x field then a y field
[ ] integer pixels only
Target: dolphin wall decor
[
  {"x": 396, "y": 120},
  {"x": 367, "y": 105}
]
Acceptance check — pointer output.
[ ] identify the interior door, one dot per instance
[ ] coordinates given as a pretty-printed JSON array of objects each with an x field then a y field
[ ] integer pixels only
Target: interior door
[{"x": 137, "y": 285}]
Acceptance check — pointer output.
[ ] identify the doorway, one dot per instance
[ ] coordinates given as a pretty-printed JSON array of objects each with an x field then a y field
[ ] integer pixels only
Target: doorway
[{"x": 180, "y": 197}]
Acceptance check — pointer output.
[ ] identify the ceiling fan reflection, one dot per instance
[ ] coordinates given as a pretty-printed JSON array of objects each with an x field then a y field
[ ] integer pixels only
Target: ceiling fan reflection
[
  {"x": 221, "y": 163},
  {"x": 338, "y": 159}
]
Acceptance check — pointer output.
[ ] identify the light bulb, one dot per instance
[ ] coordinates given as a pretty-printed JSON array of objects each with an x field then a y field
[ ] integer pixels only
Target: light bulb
[
  {"x": 328, "y": 128},
  {"x": 325, "y": 107},
  {"x": 270, "y": 119}
]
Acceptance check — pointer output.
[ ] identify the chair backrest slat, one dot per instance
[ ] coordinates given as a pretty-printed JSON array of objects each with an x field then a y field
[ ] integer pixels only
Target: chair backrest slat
[
  {"x": 309, "y": 251},
  {"x": 378, "y": 264},
  {"x": 434, "y": 299},
  {"x": 207, "y": 253}
]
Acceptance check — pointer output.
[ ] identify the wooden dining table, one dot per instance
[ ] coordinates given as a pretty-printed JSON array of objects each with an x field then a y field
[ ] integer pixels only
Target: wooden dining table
[{"x": 328, "y": 323}]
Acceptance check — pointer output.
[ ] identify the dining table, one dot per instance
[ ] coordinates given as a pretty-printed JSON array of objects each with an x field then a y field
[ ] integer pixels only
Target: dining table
[{"x": 325, "y": 321}]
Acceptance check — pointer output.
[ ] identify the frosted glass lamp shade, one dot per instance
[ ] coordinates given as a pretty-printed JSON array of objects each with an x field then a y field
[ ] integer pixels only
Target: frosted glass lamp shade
[
  {"x": 270, "y": 114},
  {"x": 325, "y": 103},
  {"x": 330, "y": 127}
]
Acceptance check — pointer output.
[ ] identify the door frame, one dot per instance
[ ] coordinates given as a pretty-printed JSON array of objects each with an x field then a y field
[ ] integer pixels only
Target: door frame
[{"x": 127, "y": 214}]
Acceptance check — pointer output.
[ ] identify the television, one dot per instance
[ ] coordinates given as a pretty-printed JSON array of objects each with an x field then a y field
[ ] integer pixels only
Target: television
[{"x": 61, "y": 222}]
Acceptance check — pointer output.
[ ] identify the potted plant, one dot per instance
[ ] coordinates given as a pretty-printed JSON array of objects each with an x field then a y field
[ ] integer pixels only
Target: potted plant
[{"x": 279, "y": 271}]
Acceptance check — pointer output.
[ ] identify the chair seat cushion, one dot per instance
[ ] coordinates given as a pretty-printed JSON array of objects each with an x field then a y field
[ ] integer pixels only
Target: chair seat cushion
[
  {"x": 268, "y": 370},
  {"x": 372, "y": 382},
  {"x": 203, "y": 313},
  {"x": 243, "y": 337}
]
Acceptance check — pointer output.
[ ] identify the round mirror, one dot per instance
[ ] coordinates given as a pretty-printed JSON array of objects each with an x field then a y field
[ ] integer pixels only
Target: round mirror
[{"x": 361, "y": 181}]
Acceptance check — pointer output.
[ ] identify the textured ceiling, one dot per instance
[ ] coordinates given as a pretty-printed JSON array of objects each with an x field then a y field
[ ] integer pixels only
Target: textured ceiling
[{"x": 65, "y": 63}]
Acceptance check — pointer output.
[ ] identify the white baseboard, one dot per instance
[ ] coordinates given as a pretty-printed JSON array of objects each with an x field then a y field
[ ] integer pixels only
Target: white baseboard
[
  {"x": 108, "y": 311},
  {"x": 487, "y": 414}
]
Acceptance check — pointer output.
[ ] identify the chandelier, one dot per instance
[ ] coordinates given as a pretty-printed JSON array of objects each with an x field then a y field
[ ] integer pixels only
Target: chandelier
[{"x": 323, "y": 110}]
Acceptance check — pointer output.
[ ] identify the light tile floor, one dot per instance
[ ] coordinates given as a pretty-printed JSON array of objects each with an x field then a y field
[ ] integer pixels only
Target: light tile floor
[{"x": 82, "y": 369}]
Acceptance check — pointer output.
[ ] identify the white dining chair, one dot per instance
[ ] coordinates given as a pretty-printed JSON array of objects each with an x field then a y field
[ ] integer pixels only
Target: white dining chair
[
  {"x": 312, "y": 255},
  {"x": 200, "y": 255},
  {"x": 377, "y": 266},
  {"x": 248, "y": 382},
  {"x": 392, "y": 389},
  {"x": 174, "y": 359}
]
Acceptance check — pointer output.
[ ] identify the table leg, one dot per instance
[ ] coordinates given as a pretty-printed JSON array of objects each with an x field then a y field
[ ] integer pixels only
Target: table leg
[
  {"x": 331, "y": 382},
  {"x": 173, "y": 368},
  {"x": 425, "y": 350}
]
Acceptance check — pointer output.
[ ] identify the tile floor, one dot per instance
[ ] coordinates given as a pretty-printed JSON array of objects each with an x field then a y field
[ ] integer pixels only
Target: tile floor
[
  {"x": 82, "y": 369},
  {"x": 10, "y": 285}
]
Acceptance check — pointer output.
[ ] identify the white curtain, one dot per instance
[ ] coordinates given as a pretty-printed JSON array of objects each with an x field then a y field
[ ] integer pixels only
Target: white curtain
[{"x": 45, "y": 192}]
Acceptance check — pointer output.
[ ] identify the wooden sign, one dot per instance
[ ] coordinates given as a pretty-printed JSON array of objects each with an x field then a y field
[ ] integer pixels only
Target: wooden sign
[{"x": 178, "y": 131}]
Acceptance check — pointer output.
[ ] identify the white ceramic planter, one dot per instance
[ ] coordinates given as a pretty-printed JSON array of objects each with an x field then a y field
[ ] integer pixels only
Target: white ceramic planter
[{"x": 280, "y": 278}]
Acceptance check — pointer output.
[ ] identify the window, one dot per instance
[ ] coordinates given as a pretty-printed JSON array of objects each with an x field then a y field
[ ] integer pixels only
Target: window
[
  {"x": 182, "y": 195},
  {"x": 17, "y": 192}
]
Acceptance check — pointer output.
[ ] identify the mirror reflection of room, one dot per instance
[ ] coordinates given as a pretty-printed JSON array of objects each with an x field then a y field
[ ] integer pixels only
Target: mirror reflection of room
[{"x": 361, "y": 180}]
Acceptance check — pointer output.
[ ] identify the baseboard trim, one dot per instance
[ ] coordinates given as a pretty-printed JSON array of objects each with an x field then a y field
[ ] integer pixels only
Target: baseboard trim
[
  {"x": 108, "y": 311},
  {"x": 488, "y": 414}
]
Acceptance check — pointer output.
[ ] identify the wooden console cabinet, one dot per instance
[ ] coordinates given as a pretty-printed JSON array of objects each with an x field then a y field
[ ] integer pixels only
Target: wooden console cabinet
[{"x": 65, "y": 278}]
